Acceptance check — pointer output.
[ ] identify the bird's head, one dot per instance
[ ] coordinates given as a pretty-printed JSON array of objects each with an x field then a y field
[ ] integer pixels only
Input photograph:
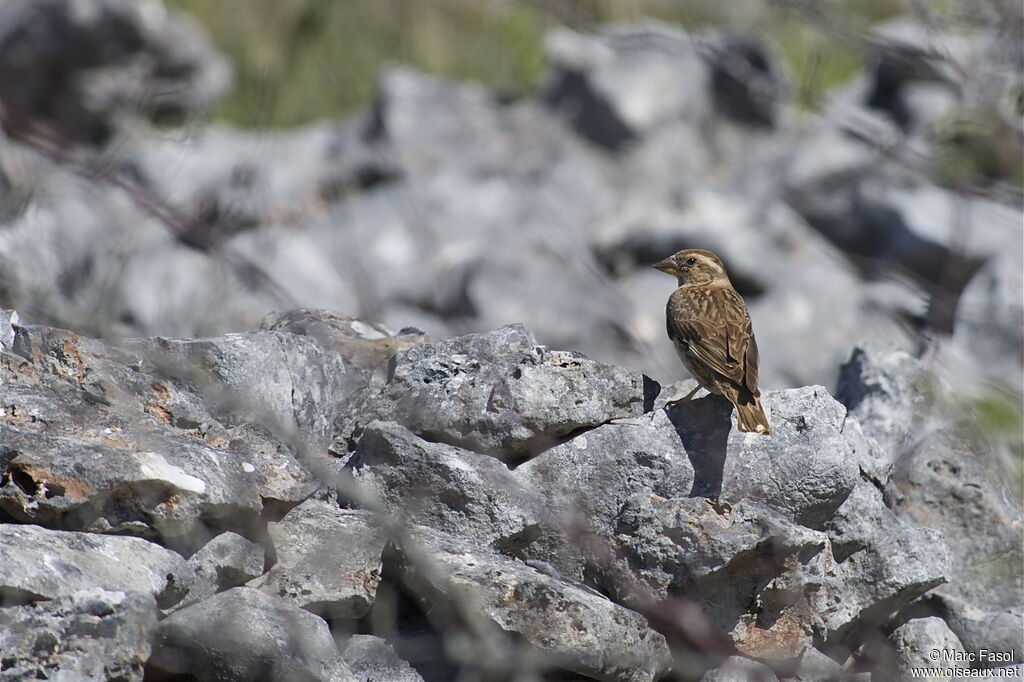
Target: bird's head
[{"x": 694, "y": 267}]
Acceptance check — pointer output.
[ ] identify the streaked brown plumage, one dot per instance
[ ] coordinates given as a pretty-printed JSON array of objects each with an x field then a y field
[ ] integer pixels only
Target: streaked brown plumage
[{"x": 710, "y": 327}]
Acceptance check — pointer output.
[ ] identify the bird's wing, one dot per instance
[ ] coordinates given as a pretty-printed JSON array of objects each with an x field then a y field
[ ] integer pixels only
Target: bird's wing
[
  {"x": 714, "y": 324},
  {"x": 753, "y": 362}
]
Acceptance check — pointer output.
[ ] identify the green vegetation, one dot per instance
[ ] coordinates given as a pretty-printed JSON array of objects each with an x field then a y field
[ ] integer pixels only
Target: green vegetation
[
  {"x": 301, "y": 60},
  {"x": 1001, "y": 417}
]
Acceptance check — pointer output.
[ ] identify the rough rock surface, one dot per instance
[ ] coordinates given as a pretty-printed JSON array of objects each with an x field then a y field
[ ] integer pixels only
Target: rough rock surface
[
  {"x": 372, "y": 659},
  {"x": 244, "y": 634},
  {"x": 916, "y": 640},
  {"x": 437, "y": 485},
  {"x": 946, "y": 476},
  {"x": 90, "y": 634},
  {"x": 503, "y": 394},
  {"x": 783, "y": 543},
  {"x": 45, "y": 564},
  {"x": 739, "y": 669},
  {"x": 478, "y": 487},
  {"x": 568, "y": 626},
  {"x": 226, "y": 561},
  {"x": 328, "y": 560},
  {"x": 180, "y": 435}
]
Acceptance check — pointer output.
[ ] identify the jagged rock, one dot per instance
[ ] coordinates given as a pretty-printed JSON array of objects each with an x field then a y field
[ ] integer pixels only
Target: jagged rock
[
  {"x": 500, "y": 393},
  {"x": 288, "y": 384},
  {"x": 581, "y": 485},
  {"x": 882, "y": 564},
  {"x": 817, "y": 667},
  {"x": 567, "y": 626},
  {"x": 441, "y": 486},
  {"x": 916, "y": 642},
  {"x": 91, "y": 634},
  {"x": 47, "y": 564},
  {"x": 911, "y": 413},
  {"x": 328, "y": 560},
  {"x": 368, "y": 346},
  {"x": 108, "y": 62},
  {"x": 372, "y": 659},
  {"x": 163, "y": 438},
  {"x": 979, "y": 626},
  {"x": 725, "y": 561},
  {"x": 739, "y": 669},
  {"x": 8, "y": 321},
  {"x": 226, "y": 561},
  {"x": 244, "y": 634},
  {"x": 807, "y": 449},
  {"x": 882, "y": 389},
  {"x": 548, "y": 512},
  {"x": 810, "y": 586}
]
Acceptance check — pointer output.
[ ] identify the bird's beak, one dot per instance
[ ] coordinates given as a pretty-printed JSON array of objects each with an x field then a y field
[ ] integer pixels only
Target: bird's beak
[{"x": 666, "y": 266}]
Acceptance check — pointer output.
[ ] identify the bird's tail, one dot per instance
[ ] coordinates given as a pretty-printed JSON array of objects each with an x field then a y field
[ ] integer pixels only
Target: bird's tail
[{"x": 750, "y": 416}]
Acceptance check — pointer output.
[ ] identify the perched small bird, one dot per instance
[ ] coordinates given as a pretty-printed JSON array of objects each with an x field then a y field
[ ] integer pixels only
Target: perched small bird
[{"x": 710, "y": 327}]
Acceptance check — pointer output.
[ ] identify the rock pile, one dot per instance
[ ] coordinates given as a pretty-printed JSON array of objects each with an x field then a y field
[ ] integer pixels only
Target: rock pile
[
  {"x": 265, "y": 504},
  {"x": 512, "y": 494}
]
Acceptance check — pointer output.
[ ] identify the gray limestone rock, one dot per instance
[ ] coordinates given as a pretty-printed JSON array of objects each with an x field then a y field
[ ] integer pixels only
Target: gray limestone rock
[
  {"x": 500, "y": 393},
  {"x": 8, "y": 320},
  {"x": 595, "y": 472},
  {"x": 581, "y": 486},
  {"x": 47, "y": 564},
  {"x": 883, "y": 388},
  {"x": 989, "y": 319},
  {"x": 565, "y": 626},
  {"x": 367, "y": 346},
  {"x": 328, "y": 559},
  {"x": 441, "y": 486},
  {"x": 916, "y": 641},
  {"x": 89, "y": 634},
  {"x": 163, "y": 438},
  {"x": 372, "y": 659},
  {"x": 804, "y": 470},
  {"x": 946, "y": 477},
  {"x": 882, "y": 563},
  {"x": 746, "y": 79},
  {"x": 817, "y": 667},
  {"x": 980, "y": 626},
  {"x": 431, "y": 124},
  {"x": 243, "y": 634},
  {"x": 288, "y": 384},
  {"x": 809, "y": 587},
  {"x": 739, "y": 669},
  {"x": 724, "y": 560},
  {"x": 226, "y": 561}
]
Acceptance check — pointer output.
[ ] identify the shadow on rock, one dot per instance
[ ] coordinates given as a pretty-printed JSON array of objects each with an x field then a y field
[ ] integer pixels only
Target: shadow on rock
[{"x": 703, "y": 426}]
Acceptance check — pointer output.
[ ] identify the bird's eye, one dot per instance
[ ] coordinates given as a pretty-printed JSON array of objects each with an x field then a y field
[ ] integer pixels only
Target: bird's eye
[{"x": 691, "y": 261}]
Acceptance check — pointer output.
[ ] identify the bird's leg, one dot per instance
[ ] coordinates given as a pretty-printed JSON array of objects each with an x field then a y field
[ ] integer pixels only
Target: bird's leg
[
  {"x": 722, "y": 508},
  {"x": 688, "y": 396},
  {"x": 691, "y": 393}
]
